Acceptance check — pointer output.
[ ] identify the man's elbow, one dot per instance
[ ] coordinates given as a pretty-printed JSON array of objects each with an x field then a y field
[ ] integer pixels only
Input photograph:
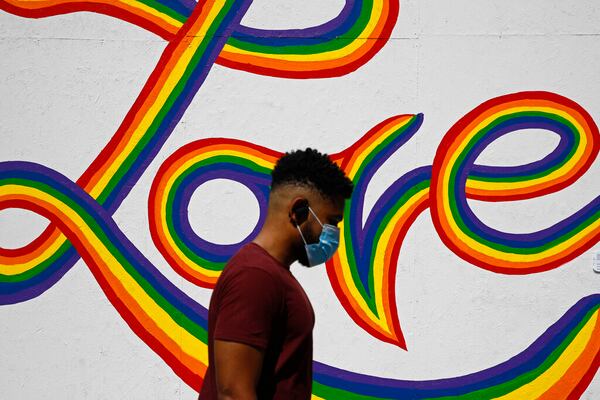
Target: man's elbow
[{"x": 235, "y": 394}]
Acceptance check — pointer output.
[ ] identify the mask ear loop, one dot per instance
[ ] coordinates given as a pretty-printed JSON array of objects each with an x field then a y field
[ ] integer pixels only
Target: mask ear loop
[
  {"x": 301, "y": 235},
  {"x": 315, "y": 215}
]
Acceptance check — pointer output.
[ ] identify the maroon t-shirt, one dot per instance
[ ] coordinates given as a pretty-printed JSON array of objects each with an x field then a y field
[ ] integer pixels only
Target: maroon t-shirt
[{"x": 258, "y": 302}]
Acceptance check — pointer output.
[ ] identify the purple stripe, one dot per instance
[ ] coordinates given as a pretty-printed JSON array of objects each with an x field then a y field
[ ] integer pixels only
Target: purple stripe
[
  {"x": 532, "y": 239},
  {"x": 562, "y": 149},
  {"x": 451, "y": 383},
  {"x": 358, "y": 198},
  {"x": 312, "y": 32},
  {"x": 187, "y": 233}
]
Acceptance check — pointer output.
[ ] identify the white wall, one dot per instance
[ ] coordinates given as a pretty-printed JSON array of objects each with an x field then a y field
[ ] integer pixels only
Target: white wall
[{"x": 67, "y": 82}]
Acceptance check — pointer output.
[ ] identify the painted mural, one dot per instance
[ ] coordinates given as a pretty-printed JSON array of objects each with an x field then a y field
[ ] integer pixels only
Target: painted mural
[{"x": 558, "y": 365}]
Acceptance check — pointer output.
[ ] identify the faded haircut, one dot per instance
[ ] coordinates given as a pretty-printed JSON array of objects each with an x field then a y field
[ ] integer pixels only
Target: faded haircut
[{"x": 311, "y": 168}]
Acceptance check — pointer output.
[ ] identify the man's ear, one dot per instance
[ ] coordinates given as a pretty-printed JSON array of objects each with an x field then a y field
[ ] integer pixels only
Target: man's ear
[{"x": 298, "y": 210}]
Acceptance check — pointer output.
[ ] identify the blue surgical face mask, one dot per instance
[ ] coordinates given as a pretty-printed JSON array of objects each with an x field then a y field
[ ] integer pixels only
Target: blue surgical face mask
[{"x": 329, "y": 240}]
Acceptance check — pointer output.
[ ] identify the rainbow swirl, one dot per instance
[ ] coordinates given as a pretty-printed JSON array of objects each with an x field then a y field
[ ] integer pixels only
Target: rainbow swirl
[
  {"x": 362, "y": 272},
  {"x": 334, "y": 48},
  {"x": 193, "y": 49},
  {"x": 192, "y": 257},
  {"x": 560, "y": 364},
  {"x": 181, "y": 70},
  {"x": 455, "y": 178}
]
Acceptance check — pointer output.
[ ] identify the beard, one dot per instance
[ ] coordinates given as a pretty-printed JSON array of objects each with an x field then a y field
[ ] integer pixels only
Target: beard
[{"x": 303, "y": 257}]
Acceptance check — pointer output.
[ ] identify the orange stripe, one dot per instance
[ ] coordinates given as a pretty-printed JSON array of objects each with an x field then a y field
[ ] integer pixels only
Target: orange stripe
[
  {"x": 440, "y": 189},
  {"x": 36, "y": 252},
  {"x": 98, "y": 174},
  {"x": 587, "y": 155},
  {"x": 565, "y": 385},
  {"x": 177, "y": 263},
  {"x": 372, "y": 138},
  {"x": 483, "y": 115},
  {"x": 133, "y": 306},
  {"x": 497, "y": 263},
  {"x": 115, "y": 285},
  {"x": 164, "y": 75},
  {"x": 355, "y": 309},
  {"x": 452, "y": 148},
  {"x": 287, "y": 65},
  {"x": 400, "y": 230}
]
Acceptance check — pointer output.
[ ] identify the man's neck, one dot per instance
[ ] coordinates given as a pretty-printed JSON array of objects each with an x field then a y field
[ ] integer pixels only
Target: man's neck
[{"x": 276, "y": 245}]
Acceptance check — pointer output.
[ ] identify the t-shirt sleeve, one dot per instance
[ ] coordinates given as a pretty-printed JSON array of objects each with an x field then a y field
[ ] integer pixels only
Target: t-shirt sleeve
[{"x": 250, "y": 302}]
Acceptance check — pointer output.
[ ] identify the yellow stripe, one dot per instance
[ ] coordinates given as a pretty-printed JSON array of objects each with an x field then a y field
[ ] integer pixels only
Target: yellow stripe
[
  {"x": 176, "y": 73},
  {"x": 18, "y": 268},
  {"x": 571, "y": 164},
  {"x": 352, "y": 47},
  {"x": 381, "y": 136},
  {"x": 195, "y": 37},
  {"x": 384, "y": 245},
  {"x": 518, "y": 259},
  {"x": 348, "y": 281},
  {"x": 188, "y": 343},
  {"x": 489, "y": 251},
  {"x": 174, "y": 247},
  {"x": 149, "y": 10},
  {"x": 546, "y": 380},
  {"x": 228, "y": 48}
]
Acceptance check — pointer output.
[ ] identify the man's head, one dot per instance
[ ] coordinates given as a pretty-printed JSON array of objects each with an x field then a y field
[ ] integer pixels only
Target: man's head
[{"x": 307, "y": 187}]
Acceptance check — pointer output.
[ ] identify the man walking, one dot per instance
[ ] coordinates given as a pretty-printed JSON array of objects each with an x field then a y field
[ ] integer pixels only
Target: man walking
[{"x": 260, "y": 320}]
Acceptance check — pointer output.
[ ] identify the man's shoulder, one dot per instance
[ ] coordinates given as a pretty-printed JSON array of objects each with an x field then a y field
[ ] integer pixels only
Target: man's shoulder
[
  {"x": 251, "y": 261},
  {"x": 251, "y": 255},
  {"x": 249, "y": 278}
]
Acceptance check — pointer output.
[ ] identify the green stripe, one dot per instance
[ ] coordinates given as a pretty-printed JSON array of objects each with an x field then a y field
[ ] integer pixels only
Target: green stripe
[
  {"x": 523, "y": 379},
  {"x": 479, "y": 136},
  {"x": 328, "y": 392},
  {"x": 334, "y": 44},
  {"x": 413, "y": 191},
  {"x": 164, "y": 10},
  {"x": 173, "y": 96},
  {"x": 198, "y": 260},
  {"x": 531, "y": 250},
  {"x": 180, "y": 318},
  {"x": 383, "y": 146},
  {"x": 39, "y": 268},
  {"x": 332, "y": 393},
  {"x": 370, "y": 300},
  {"x": 460, "y": 161}
]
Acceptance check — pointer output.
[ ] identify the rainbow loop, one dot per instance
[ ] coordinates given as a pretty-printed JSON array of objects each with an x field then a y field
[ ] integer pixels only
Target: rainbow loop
[
  {"x": 455, "y": 177},
  {"x": 363, "y": 271},
  {"x": 560, "y": 364},
  {"x": 334, "y": 48},
  {"x": 181, "y": 70},
  {"x": 196, "y": 259},
  {"x": 196, "y": 43}
]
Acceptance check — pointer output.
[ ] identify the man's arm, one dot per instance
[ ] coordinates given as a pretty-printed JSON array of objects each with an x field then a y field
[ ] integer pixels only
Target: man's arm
[{"x": 237, "y": 370}]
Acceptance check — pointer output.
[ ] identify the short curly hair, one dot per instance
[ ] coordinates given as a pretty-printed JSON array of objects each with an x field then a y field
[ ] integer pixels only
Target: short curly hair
[{"x": 314, "y": 169}]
